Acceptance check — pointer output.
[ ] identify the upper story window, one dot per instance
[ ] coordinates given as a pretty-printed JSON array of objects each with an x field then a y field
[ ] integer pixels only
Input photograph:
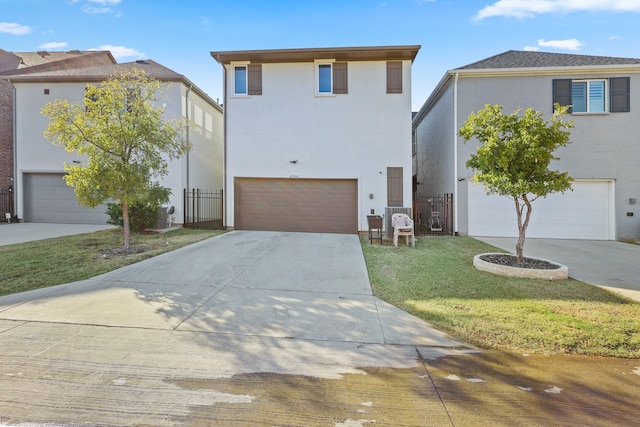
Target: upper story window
[
  {"x": 247, "y": 79},
  {"x": 588, "y": 96},
  {"x": 593, "y": 95},
  {"x": 414, "y": 143},
  {"x": 332, "y": 78},
  {"x": 325, "y": 79},
  {"x": 240, "y": 80}
]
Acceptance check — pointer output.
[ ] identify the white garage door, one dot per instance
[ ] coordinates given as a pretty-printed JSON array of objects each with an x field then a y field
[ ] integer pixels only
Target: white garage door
[
  {"x": 587, "y": 212},
  {"x": 47, "y": 198}
]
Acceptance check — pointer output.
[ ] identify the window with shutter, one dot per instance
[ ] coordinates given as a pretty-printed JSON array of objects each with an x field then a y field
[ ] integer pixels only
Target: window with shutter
[
  {"x": 394, "y": 186},
  {"x": 254, "y": 74},
  {"x": 590, "y": 96},
  {"x": 394, "y": 77}
]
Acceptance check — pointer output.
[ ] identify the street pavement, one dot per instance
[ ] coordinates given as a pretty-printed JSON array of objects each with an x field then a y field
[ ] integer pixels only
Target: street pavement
[{"x": 257, "y": 328}]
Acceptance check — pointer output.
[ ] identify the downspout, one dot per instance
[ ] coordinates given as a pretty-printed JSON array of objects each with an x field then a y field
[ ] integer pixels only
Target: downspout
[
  {"x": 15, "y": 153},
  {"x": 456, "y": 183},
  {"x": 188, "y": 127},
  {"x": 225, "y": 193}
]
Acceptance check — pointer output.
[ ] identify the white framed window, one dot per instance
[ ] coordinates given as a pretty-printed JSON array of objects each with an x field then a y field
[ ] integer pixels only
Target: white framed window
[
  {"x": 240, "y": 80},
  {"x": 325, "y": 79},
  {"x": 589, "y": 96}
]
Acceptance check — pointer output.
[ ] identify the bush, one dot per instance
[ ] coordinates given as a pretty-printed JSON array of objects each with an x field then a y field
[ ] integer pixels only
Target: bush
[{"x": 142, "y": 215}]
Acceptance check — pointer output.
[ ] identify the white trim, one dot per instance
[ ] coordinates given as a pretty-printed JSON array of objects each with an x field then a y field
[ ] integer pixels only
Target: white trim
[
  {"x": 234, "y": 66},
  {"x": 316, "y": 69}
]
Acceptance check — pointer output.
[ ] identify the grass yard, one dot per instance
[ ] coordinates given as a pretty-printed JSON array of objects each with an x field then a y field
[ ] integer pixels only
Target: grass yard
[
  {"x": 49, "y": 262},
  {"x": 437, "y": 282}
]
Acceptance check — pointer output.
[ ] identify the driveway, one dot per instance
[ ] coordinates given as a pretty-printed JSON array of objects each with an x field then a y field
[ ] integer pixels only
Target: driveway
[
  {"x": 266, "y": 328},
  {"x": 609, "y": 264},
  {"x": 22, "y": 232}
]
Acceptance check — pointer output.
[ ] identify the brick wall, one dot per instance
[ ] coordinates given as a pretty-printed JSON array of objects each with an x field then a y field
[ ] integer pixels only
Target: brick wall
[{"x": 6, "y": 133}]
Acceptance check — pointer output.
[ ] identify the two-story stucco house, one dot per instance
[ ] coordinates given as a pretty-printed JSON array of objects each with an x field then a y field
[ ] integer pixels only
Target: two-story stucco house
[
  {"x": 603, "y": 157},
  {"x": 316, "y": 139},
  {"x": 41, "y": 194}
]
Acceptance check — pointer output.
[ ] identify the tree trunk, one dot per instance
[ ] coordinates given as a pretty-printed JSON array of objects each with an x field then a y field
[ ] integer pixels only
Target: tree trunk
[
  {"x": 524, "y": 208},
  {"x": 125, "y": 224}
]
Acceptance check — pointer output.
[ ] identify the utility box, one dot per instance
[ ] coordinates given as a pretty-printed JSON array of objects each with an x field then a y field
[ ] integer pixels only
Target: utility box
[{"x": 162, "y": 219}]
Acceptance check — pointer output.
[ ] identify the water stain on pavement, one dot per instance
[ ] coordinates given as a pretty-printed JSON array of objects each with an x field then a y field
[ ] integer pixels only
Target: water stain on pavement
[{"x": 479, "y": 389}]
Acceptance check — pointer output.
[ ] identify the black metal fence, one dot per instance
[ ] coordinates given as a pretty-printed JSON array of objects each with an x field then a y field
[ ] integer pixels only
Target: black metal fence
[
  {"x": 433, "y": 215},
  {"x": 203, "y": 209},
  {"x": 6, "y": 204}
]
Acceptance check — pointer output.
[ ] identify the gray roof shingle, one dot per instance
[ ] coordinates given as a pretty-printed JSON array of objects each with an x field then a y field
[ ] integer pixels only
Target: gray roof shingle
[{"x": 530, "y": 59}]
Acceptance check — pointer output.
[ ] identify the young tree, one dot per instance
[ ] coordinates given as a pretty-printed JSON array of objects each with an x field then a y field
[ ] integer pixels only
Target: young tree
[
  {"x": 122, "y": 136},
  {"x": 514, "y": 155}
]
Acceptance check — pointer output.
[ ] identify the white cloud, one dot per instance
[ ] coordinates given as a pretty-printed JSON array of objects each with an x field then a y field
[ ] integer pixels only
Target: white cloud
[
  {"x": 97, "y": 7},
  {"x": 613, "y": 38},
  {"x": 569, "y": 44},
  {"x": 106, "y": 2},
  {"x": 530, "y": 8},
  {"x": 119, "y": 52},
  {"x": 14, "y": 29},
  {"x": 54, "y": 45},
  {"x": 531, "y": 48}
]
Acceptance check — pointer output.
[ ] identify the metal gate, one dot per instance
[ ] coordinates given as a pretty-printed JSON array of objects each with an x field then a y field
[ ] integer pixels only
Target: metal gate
[
  {"x": 433, "y": 215},
  {"x": 203, "y": 209},
  {"x": 6, "y": 204}
]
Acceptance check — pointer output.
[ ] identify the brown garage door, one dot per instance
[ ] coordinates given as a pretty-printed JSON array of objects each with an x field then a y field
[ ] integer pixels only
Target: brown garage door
[{"x": 307, "y": 205}]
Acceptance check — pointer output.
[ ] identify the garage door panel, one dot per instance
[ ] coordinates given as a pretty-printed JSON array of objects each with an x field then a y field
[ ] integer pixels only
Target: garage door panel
[
  {"x": 308, "y": 205},
  {"x": 48, "y": 199},
  {"x": 583, "y": 213}
]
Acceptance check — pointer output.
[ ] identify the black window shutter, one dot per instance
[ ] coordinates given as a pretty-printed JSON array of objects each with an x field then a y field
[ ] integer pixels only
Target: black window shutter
[
  {"x": 340, "y": 78},
  {"x": 562, "y": 92},
  {"x": 620, "y": 94},
  {"x": 254, "y": 79}
]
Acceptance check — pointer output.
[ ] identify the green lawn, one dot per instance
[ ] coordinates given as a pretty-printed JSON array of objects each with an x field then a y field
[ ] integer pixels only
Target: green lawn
[
  {"x": 49, "y": 262},
  {"x": 437, "y": 282}
]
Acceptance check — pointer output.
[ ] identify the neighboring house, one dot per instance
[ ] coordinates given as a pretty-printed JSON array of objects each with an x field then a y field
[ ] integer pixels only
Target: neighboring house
[
  {"x": 602, "y": 158},
  {"x": 41, "y": 194},
  {"x": 316, "y": 139}
]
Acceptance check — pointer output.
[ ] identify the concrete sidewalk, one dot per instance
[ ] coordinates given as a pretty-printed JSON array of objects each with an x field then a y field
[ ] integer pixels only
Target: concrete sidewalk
[
  {"x": 22, "y": 232},
  {"x": 608, "y": 264},
  {"x": 267, "y": 328}
]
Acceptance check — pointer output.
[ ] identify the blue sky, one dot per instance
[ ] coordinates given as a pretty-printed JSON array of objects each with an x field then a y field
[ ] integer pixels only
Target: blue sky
[{"x": 452, "y": 33}]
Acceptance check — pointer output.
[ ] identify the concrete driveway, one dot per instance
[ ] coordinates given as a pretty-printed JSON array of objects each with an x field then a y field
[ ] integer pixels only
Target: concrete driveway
[
  {"x": 611, "y": 265},
  {"x": 22, "y": 232}
]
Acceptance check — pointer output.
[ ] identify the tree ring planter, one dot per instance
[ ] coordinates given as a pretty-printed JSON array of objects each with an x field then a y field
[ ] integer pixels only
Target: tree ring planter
[{"x": 553, "y": 270}]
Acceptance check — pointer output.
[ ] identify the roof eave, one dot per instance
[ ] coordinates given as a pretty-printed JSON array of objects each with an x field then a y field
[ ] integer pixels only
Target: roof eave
[
  {"x": 369, "y": 53},
  {"x": 487, "y": 72}
]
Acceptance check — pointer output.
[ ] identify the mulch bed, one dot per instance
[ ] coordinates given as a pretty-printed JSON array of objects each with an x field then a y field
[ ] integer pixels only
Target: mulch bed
[{"x": 512, "y": 261}]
